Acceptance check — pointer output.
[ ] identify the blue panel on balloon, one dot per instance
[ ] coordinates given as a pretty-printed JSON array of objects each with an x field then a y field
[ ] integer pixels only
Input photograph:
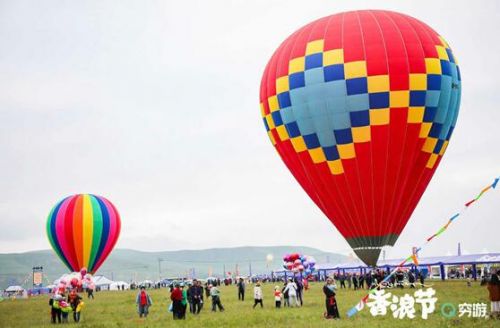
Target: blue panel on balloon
[
  {"x": 296, "y": 80},
  {"x": 358, "y": 102},
  {"x": 277, "y": 118},
  {"x": 435, "y": 130},
  {"x": 314, "y": 76},
  {"x": 361, "y": 118},
  {"x": 334, "y": 72},
  {"x": 379, "y": 100},
  {"x": 433, "y": 82},
  {"x": 343, "y": 136},
  {"x": 429, "y": 114},
  {"x": 311, "y": 141},
  {"x": 284, "y": 99},
  {"x": 357, "y": 86},
  {"x": 417, "y": 98},
  {"x": 331, "y": 153},
  {"x": 287, "y": 115},
  {"x": 293, "y": 129},
  {"x": 314, "y": 61}
]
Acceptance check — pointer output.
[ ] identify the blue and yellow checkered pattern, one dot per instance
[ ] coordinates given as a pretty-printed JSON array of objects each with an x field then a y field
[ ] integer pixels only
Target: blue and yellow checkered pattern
[{"x": 325, "y": 105}]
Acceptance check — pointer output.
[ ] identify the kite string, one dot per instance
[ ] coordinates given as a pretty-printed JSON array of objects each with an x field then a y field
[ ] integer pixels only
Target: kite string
[{"x": 358, "y": 307}]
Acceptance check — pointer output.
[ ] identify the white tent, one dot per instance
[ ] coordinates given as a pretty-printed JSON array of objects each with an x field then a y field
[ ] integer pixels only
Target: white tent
[
  {"x": 102, "y": 282},
  {"x": 14, "y": 289},
  {"x": 118, "y": 285}
]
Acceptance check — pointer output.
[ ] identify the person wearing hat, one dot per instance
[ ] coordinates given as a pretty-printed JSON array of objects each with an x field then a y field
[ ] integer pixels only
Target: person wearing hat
[
  {"x": 332, "y": 311},
  {"x": 257, "y": 295},
  {"x": 215, "y": 294},
  {"x": 143, "y": 301},
  {"x": 176, "y": 297}
]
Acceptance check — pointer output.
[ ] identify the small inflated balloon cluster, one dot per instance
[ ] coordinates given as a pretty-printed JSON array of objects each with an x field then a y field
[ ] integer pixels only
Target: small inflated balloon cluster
[
  {"x": 75, "y": 280},
  {"x": 296, "y": 262}
]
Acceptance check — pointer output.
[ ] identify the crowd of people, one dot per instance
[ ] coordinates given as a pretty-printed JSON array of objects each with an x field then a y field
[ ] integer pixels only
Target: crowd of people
[{"x": 61, "y": 305}]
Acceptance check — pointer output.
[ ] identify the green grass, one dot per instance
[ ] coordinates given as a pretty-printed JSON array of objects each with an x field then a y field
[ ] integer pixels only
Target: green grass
[{"x": 117, "y": 309}]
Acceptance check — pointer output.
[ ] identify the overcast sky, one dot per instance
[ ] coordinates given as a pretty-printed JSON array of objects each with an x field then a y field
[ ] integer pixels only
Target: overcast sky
[{"x": 154, "y": 105}]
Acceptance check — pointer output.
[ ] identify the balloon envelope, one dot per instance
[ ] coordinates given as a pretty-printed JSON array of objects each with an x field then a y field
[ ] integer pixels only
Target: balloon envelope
[
  {"x": 83, "y": 229},
  {"x": 360, "y": 107}
]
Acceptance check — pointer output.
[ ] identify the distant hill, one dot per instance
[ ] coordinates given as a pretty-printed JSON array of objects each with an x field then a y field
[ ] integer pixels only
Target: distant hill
[{"x": 132, "y": 265}]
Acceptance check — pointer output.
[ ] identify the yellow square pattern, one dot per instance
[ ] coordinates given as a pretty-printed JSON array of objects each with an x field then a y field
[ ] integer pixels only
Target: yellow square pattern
[
  {"x": 432, "y": 161},
  {"x": 336, "y": 167},
  {"x": 429, "y": 145},
  {"x": 379, "y": 116},
  {"x": 273, "y": 103},
  {"x": 346, "y": 151},
  {"x": 418, "y": 82},
  {"x": 399, "y": 98},
  {"x": 433, "y": 65},
  {"x": 314, "y": 47},
  {"x": 442, "y": 54},
  {"x": 425, "y": 129},
  {"x": 282, "y": 84},
  {"x": 270, "y": 121},
  {"x": 378, "y": 83},
  {"x": 355, "y": 69},
  {"x": 361, "y": 134},
  {"x": 296, "y": 65},
  {"x": 282, "y": 132},
  {"x": 298, "y": 144},
  {"x": 416, "y": 114},
  {"x": 317, "y": 155},
  {"x": 443, "y": 149},
  {"x": 332, "y": 57}
]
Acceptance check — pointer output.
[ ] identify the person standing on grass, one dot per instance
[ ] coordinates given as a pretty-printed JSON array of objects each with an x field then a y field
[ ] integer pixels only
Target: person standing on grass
[
  {"x": 241, "y": 289},
  {"x": 494, "y": 291},
  {"x": 176, "y": 297},
  {"x": 215, "y": 294},
  {"x": 257, "y": 295},
  {"x": 355, "y": 281},
  {"x": 184, "y": 301},
  {"x": 197, "y": 296},
  {"x": 74, "y": 300},
  {"x": 300, "y": 289},
  {"x": 143, "y": 302},
  {"x": 332, "y": 311},
  {"x": 55, "y": 308},
  {"x": 277, "y": 297},
  {"x": 291, "y": 288},
  {"x": 286, "y": 299}
]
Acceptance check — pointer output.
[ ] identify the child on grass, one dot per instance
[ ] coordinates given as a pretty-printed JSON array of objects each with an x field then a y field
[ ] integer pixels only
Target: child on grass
[
  {"x": 257, "y": 295},
  {"x": 277, "y": 297}
]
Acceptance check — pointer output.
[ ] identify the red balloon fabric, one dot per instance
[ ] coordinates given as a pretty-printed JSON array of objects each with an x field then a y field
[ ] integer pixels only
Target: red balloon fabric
[{"x": 361, "y": 106}]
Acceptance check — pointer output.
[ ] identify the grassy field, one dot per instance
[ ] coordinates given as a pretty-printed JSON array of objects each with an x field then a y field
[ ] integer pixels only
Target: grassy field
[{"x": 117, "y": 309}]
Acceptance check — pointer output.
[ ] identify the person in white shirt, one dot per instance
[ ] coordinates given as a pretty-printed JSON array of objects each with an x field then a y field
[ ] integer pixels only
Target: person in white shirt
[
  {"x": 291, "y": 288},
  {"x": 257, "y": 295}
]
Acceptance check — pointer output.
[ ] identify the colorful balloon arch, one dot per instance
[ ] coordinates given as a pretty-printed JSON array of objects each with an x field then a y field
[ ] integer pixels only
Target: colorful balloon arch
[
  {"x": 83, "y": 229},
  {"x": 361, "y": 106}
]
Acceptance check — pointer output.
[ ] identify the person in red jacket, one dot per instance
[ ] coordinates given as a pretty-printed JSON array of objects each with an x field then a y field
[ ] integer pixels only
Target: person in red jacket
[{"x": 176, "y": 297}]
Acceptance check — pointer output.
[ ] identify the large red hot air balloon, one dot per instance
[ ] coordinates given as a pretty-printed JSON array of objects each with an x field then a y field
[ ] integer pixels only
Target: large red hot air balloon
[{"x": 361, "y": 106}]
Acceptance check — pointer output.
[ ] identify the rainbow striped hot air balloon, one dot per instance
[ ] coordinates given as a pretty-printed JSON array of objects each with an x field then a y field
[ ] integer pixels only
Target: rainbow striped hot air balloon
[{"x": 83, "y": 229}]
